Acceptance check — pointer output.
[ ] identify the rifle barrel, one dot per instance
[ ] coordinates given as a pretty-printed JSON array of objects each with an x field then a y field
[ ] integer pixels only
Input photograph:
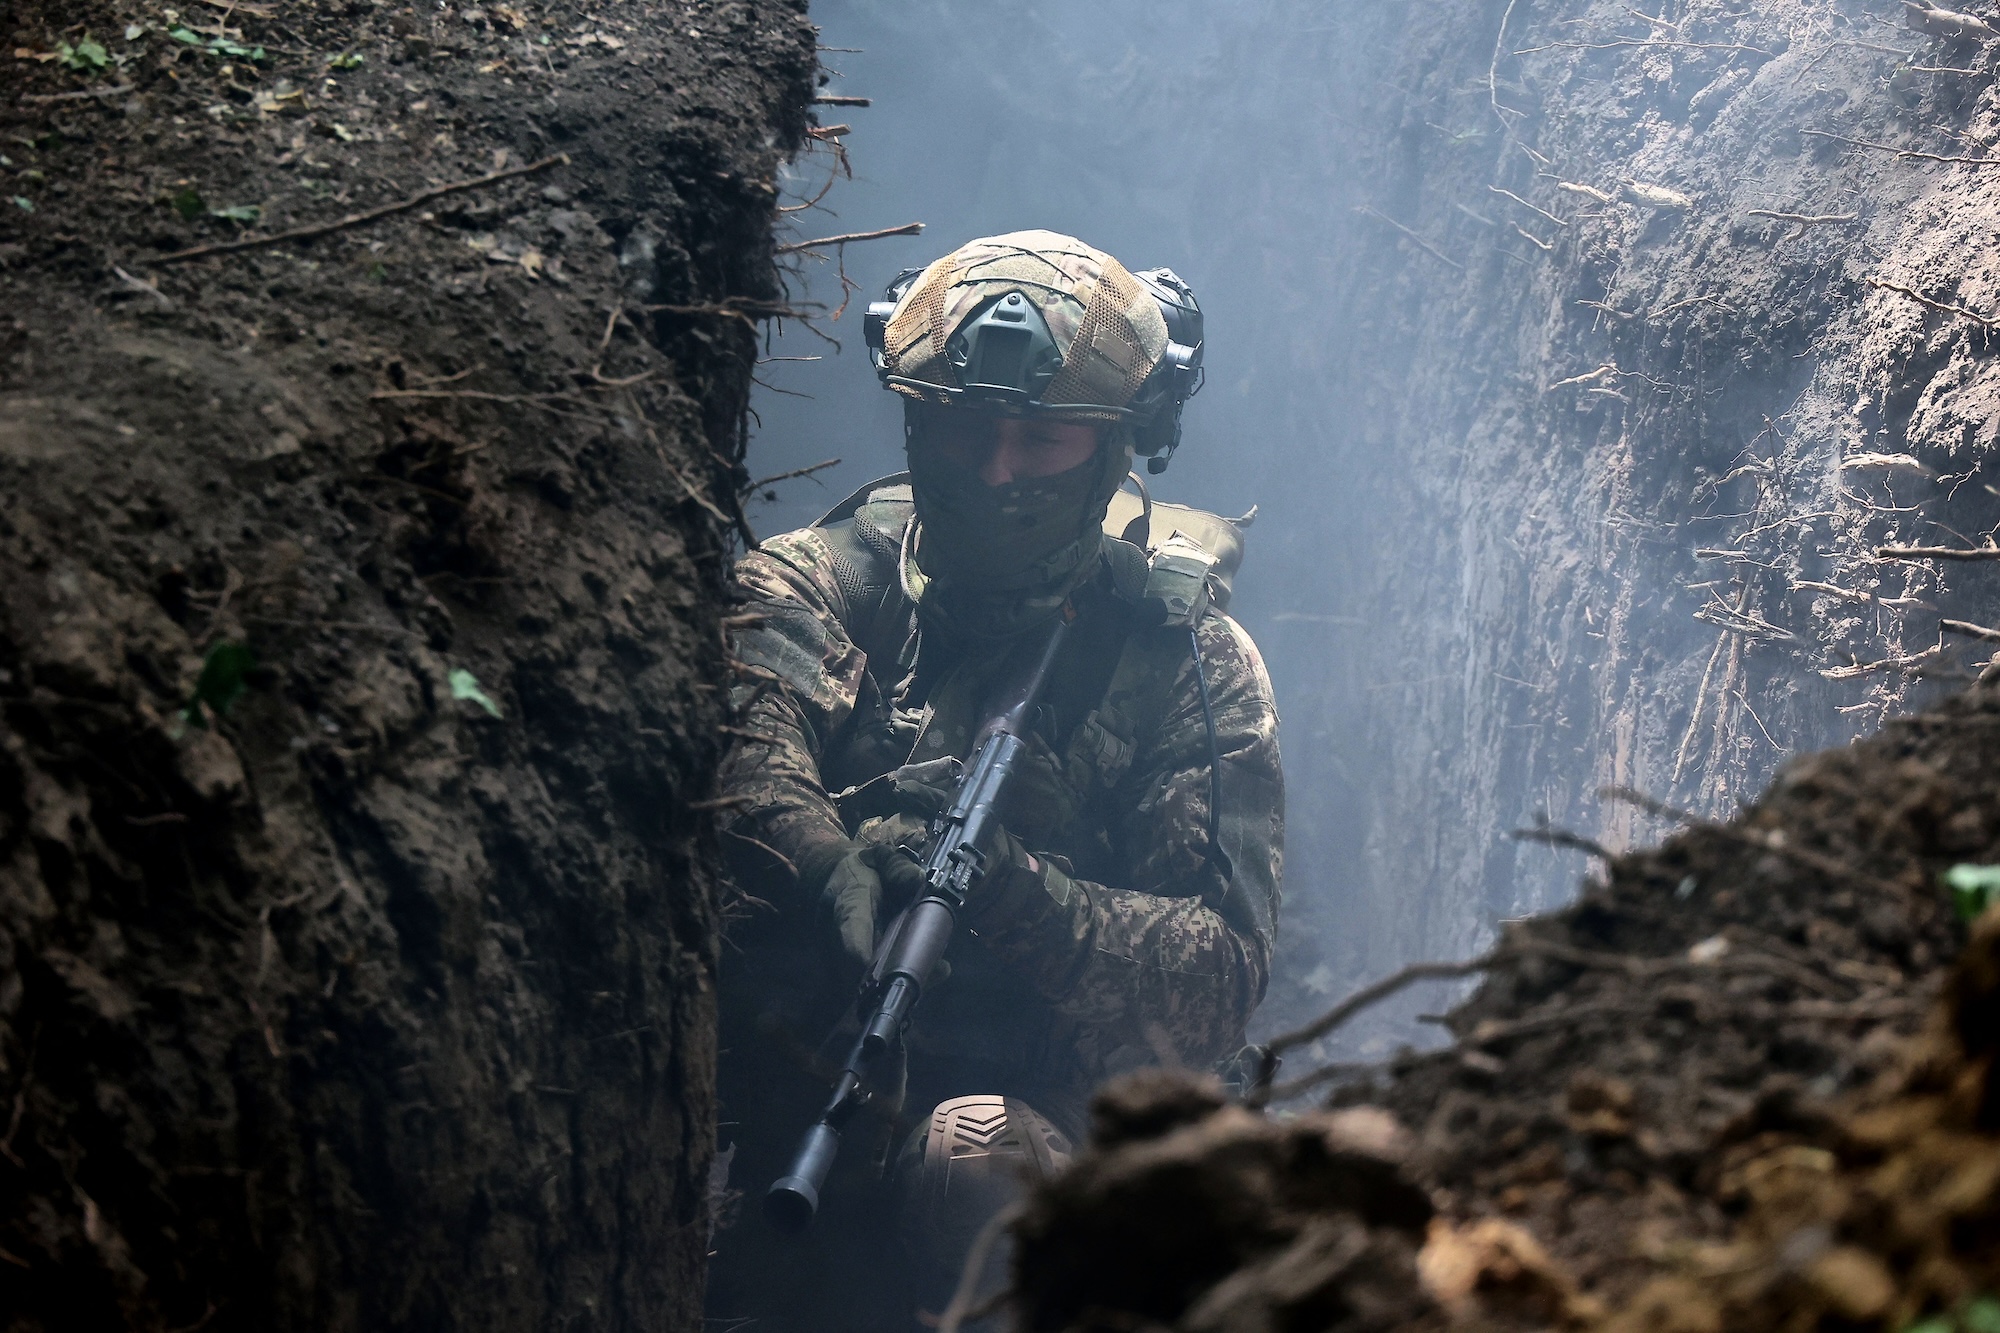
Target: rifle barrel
[{"x": 951, "y": 869}]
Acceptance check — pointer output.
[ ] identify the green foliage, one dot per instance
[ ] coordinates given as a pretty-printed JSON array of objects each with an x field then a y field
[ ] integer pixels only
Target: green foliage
[
  {"x": 1973, "y": 889},
  {"x": 347, "y": 60},
  {"x": 465, "y": 685},
  {"x": 187, "y": 202},
  {"x": 217, "y": 46},
  {"x": 1981, "y": 1314},
  {"x": 237, "y": 213},
  {"x": 87, "y": 55},
  {"x": 25, "y": 204},
  {"x": 224, "y": 676}
]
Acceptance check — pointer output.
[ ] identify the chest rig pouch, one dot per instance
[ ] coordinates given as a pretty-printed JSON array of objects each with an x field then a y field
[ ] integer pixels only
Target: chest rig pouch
[
  {"x": 1191, "y": 559},
  {"x": 1171, "y": 563}
]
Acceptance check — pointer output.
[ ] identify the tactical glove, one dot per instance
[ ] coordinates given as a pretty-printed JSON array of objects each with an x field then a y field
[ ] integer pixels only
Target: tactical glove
[{"x": 873, "y": 879}]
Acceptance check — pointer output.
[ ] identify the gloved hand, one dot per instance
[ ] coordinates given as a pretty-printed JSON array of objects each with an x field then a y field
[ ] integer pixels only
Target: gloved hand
[
  {"x": 1039, "y": 802},
  {"x": 1038, "y": 799},
  {"x": 873, "y": 880}
]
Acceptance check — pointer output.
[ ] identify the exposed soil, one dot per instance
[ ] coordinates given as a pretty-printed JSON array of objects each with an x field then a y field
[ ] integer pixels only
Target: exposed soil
[
  {"x": 1702, "y": 1097},
  {"x": 351, "y": 1001},
  {"x": 1633, "y": 440}
]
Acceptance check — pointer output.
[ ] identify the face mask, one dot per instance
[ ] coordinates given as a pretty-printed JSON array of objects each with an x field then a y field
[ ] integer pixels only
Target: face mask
[
  {"x": 1001, "y": 558},
  {"x": 1009, "y": 538}
]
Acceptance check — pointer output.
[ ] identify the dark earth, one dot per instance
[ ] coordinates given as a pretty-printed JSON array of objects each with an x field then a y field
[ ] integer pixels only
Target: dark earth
[
  {"x": 359, "y": 650},
  {"x": 358, "y": 635},
  {"x": 1717, "y": 1092}
]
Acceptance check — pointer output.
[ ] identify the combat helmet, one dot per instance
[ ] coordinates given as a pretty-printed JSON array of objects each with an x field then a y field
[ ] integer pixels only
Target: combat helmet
[{"x": 1035, "y": 322}]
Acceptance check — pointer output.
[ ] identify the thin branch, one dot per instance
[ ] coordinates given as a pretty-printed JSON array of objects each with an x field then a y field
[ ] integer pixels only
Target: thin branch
[
  {"x": 477, "y": 395},
  {"x": 1650, "y": 804},
  {"x": 1833, "y": 590},
  {"x": 821, "y": 466},
  {"x": 1984, "y": 321},
  {"x": 1374, "y": 993},
  {"x": 1628, "y": 41},
  {"x": 1606, "y": 371},
  {"x": 1493, "y": 69},
  {"x": 832, "y": 99},
  {"x": 1970, "y": 630},
  {"x": 1937, "y": 553},
  {"x": 907, "y": 229},
  {"x": 1530, "y": 207},
  {"x": 1560, "y": 837},
  {"x": 1428, "y": 248},
  {"x": 370, "y": 215},
  {"x": 1904, "y": 152},
  {"x": 1906, "y": 665},
  {"x": 79, "y": 95},
  {"x": 1742, "y": 622},
  {"x": 1534, "y": 240},
  {"x": 1805, "y": 219},
  {"x": 1304, "y": 1083},
  {"x": 765, "y": 847}
]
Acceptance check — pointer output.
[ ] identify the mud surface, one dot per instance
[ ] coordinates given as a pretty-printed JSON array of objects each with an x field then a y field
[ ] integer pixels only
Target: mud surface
[
  {"x": 1705, "y": 1096},
  {"x": 1630, "y": 440},
  {"x": 363, "y": 978}
]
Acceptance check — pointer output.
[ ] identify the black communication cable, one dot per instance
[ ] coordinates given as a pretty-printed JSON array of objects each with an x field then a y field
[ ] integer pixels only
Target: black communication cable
[{"x": 1216, "y": 855}]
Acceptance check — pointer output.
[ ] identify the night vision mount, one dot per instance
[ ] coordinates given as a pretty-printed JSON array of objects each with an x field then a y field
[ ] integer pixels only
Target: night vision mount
[{"x": 1006, "y": 358}]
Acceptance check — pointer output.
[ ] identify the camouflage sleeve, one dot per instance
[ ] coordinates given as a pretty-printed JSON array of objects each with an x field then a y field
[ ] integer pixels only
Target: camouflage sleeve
[
  {"x": 797, "y": 675},
  {"x": 1177, "y": 955}
]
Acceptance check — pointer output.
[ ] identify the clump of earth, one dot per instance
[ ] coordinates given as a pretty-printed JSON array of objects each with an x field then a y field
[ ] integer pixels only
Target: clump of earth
[
  {"x": 360, "y": 601},
  {"x": 1744, "y": 1082}
]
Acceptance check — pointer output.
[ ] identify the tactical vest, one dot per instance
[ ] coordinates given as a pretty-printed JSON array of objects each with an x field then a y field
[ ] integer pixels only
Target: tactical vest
[{"x": 1171, "y": 564}]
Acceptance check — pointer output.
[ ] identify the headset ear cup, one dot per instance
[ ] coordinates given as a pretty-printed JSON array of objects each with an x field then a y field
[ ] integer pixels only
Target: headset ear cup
[{"x": 1158, "y": 438}]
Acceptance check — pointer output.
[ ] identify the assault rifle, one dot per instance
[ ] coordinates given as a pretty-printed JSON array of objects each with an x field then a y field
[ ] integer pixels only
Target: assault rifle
[{"x": 953, "y": 867}]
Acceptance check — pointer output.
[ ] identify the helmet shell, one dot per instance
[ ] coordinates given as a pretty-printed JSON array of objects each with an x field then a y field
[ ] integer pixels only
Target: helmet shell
[{"x": 1106, "y": 326}]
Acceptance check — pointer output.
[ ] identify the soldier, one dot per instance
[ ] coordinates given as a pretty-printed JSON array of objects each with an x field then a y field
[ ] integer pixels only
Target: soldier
[{"x": 1127, "y": 916}]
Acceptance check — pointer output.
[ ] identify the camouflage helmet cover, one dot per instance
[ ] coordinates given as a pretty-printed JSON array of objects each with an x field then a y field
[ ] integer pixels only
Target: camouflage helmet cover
[{"x": 1105, "y": 323}]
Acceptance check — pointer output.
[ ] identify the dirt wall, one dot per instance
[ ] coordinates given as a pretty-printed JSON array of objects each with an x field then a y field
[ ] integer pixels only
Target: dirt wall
[
  {"x": 357, "y": 631},
  {"x": 1644, "y": 431}
]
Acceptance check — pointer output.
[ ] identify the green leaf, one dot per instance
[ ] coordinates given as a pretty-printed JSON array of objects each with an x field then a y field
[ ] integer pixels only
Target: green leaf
[
  {"x": 347, "y": 60},
  {"x": 25, "y": 204},
  {"x": 1973, "y": 888},
  {"x": 224, "y": 676},
  {"x": 87, "y": 54},
  {"x": 187, "y": 35},
  {"x": 188, "y": 203},
  {"x": 465, "y": 685},
  {"x": 1938, "y": 1324},
  {"x": 238, "y": 213},
  {"x": 1980, "y": 1315}
]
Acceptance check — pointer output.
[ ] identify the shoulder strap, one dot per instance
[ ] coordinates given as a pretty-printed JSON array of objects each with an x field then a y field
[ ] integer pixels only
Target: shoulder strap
[
  {"x": 864, "y": 535},
  {"x": 1173, "y": 596}
]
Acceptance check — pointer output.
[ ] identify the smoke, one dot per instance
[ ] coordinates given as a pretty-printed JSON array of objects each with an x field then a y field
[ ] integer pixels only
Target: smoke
[{"x": 1234, "y": 144}]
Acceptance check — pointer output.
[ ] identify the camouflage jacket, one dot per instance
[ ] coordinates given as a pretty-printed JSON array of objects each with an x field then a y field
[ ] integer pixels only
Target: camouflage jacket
[{"x": 1133, "y": 946}]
